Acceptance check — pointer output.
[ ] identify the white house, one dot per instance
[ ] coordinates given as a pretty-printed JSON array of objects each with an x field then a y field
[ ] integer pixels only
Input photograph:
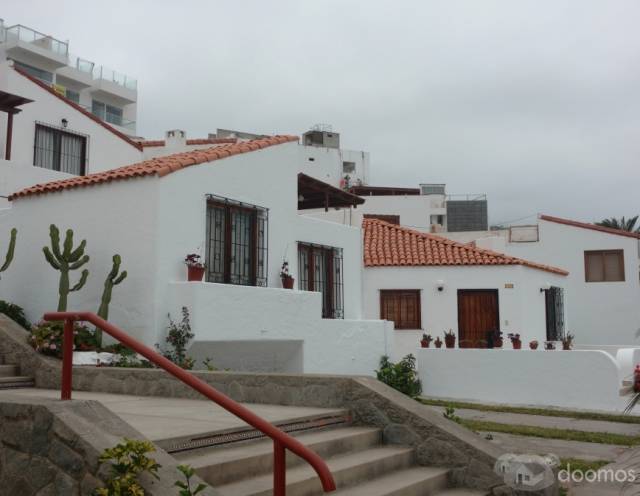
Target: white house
[
  {"x": 425, "y": 283},
  {"x": 602, "y": 291},
  {"x": 238, "y": 204}
]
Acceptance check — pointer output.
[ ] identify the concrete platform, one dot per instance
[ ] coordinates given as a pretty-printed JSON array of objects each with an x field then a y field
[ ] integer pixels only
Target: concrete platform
[{"x": 163, "y": 419}]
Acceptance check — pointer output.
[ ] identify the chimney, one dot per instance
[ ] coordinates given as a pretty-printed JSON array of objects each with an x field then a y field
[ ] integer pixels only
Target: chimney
[{"x": 175, "y": 138}]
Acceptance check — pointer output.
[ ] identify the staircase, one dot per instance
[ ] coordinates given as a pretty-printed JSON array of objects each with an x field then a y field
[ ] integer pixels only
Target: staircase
[
  {"x": 10, "y": 377},
  {"x": 361, "y": 463}
]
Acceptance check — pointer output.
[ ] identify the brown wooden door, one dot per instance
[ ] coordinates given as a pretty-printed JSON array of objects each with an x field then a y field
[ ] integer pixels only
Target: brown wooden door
[{"x": 477, "y": 314}]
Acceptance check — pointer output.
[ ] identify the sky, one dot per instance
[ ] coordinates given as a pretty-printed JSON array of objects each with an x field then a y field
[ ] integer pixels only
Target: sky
[{"x": 535, "y": 103}]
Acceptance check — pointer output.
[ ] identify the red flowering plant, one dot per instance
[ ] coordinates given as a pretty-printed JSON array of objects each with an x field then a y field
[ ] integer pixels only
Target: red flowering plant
[
  {"x": 193, "y": 260},
  {"x": 515, "y": 340},
  {"x": 46, "y": 338}
]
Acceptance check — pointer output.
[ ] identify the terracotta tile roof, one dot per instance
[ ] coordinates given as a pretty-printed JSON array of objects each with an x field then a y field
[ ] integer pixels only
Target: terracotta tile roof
[
  {"x": 593, "y": 227},
  {"x": 390, "y": 245},
  {"x": 160, "y": 166},
  {"x": 80, "y": 109},
  {"x": 195, "y": 141}
]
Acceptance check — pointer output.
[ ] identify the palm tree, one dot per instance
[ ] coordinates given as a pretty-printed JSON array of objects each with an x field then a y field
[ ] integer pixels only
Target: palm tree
[{"x": 622, "y": 224}]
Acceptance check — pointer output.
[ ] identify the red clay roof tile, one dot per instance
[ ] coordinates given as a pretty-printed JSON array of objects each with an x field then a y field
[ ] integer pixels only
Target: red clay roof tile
[
  {"x": 390, "y": 245},
  {"x": 593, "y": 227},
  {"x": 160, "y": 166}
]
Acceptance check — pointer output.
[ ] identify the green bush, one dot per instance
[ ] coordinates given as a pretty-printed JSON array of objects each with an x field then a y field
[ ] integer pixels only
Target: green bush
[
  {"x": 178, "y": 337},
  {"x": 401, "y": 376},
  {"x": 15, "y": 313},
  {"x": 46, "y": 337}
]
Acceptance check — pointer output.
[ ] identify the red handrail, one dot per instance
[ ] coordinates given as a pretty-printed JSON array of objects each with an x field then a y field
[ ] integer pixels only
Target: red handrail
[{"x": 281, "y": 440}]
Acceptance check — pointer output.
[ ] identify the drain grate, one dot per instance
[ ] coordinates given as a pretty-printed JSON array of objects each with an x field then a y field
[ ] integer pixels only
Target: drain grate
[{"x": 252, "y": 434}]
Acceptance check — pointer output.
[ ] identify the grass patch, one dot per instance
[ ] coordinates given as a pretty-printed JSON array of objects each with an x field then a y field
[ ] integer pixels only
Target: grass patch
[
  {"x": 551, "y": 433},
  {"x": 582, "y": 465},
  {"x": 547, "y": 412}
]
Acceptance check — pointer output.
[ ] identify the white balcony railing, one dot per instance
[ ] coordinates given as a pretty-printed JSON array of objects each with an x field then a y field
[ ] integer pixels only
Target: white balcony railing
[{"x": 22, "y": 33}]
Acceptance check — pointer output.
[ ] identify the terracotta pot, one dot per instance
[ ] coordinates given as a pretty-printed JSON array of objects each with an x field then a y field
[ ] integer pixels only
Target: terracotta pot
[
  {"x": 195, "y": 273},
  {"x": 533, "y": 346},
  {"x": 517, "y": 345},
  {"x": 438, "y": 344},
  {"x": 498, "y": 343},
  {"x": 287, "y": 282},
  {"x": 566, "y": 346},
  {"x": 424, "y": 343},
  {"x": 450, "y": 341}
]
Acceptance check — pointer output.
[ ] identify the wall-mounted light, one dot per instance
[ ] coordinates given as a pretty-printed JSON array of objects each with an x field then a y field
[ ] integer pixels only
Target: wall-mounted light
[
  {"x": 65, "y": 123},
  {"x": 545, "y": 287},
  {"x": 440, "y": 285}
]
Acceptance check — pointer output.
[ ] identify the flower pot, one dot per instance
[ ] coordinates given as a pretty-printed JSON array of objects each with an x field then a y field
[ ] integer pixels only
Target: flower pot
[
  {"x": 497, "y": 343},
  {"x": 424, "y": 343},
  {"x": 566, "y": 346},
  {"x": 450, "y": 341},
  {"x": 438, "y": 344},
  {"x": 287, "y": 282},
  {"x": 517, "y": 345},
  {"x": 533, "y": 345},
  {"x": 195, "y": 273}
]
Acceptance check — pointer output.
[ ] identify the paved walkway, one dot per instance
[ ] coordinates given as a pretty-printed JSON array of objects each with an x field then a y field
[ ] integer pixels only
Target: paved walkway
[
  {"x": 548, "y": 422},
  {"x": 162, "y": 419}
]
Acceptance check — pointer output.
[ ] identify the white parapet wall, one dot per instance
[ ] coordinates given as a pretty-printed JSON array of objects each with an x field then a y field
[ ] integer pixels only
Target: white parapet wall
[
  {"x": 222, "y": 313},
  {"x": 576, "y": 379}
]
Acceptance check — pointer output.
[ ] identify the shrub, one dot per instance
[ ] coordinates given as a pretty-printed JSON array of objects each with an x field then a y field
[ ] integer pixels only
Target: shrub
[
  {"x": 15, "y": 313},
  {"x": 178, "y": 338},
  {"x": 129, "y": 459},
  {"x": 46, "y": 337},
  {"x": 185, "y": 487},
  {"x": 450, "y": 413},
  {"x": 401, "y": 376}
]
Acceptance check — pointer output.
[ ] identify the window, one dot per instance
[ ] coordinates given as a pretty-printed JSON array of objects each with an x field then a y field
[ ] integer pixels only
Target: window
[
  {"x": 236, "y": 251},
  {"x": 108, "y": 113},
  {"x": 348, "y": 167},
  {"x": 391, "y": 219},
  {"x": 60, "y": 150},
  {"x": 45, "y": 76},
  {"x": 74, "y": 96},
  {"x": 402, "y": 306},
  {"x": 604, "y": 265},
  {"x": 320, "y": 270}
]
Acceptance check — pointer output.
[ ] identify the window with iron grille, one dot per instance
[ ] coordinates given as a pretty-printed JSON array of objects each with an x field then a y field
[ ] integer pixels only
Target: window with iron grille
[
  {"x": 237, "y": 237},
  {"x": 60, "y": 150},
  {"x": 320, "y": 269},
  {"x": 554, "y": 303},
  {"x": 402, "y": 307}
]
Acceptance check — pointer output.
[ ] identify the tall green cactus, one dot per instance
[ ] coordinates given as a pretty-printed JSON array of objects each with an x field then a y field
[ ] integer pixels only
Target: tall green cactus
[
  {"x": 66, "y": 260},
  {"x": 113, "y": 279},
  {"x": 12, "y": 247}
]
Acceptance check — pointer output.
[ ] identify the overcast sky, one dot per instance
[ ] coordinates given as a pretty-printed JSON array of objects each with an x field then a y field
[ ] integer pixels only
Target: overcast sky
[{"x": 535, "y": 103}]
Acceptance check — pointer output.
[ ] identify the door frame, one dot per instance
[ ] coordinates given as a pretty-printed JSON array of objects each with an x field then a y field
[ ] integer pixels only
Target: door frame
[{"x": 463, "y": 291}]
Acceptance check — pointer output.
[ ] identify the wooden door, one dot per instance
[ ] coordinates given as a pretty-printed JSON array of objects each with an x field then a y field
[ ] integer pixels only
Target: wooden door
[{"x": 478, "y": 314}]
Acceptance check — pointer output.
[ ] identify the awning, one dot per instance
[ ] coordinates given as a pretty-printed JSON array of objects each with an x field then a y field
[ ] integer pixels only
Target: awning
[
  {"x": 9, "y": 102},
  {"x": 313, "y": 193}
]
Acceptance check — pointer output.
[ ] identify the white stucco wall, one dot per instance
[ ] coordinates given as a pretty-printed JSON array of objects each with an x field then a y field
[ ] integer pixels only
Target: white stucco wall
[
  {"x": 15, "y": 176},
  {"x": 606, "y": 313},
  {"x": 222, "y": 312},
  {"x": 521, "y": 308},
  {"x": 105, "y": 149},
  {"x": 585, "y": 380},
  {"x": 325, "y": 164}
]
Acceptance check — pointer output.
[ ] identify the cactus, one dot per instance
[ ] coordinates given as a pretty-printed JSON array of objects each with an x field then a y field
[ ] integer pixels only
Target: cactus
[
  {"x": 113, "y": 279},
  {"x": 65, "y": 261},
  {"x": 12, "y": 246}
]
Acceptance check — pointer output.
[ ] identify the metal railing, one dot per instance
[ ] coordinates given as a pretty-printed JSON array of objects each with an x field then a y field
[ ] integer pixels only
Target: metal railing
[
  {"x": 468, "y": 197},
  {"x": 107, "y": 74},
  {"x": 281, "y": 440},
  {"x": 80, "y": 64},
  {"x": 28, "y": 35}
]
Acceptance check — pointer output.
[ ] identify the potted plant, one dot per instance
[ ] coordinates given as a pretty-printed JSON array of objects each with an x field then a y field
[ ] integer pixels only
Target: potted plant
[
  {"x": 449, "y": 339},
  {"x": 426, "y": 339},
  {"x": 515, "y": 340},
  {"x": 533, "y": 344},
  {"x": 549, "y": 345},
  {"x": 438, "y": 342},
  {"x": 287, "y": 279},
  {"x": 195, "y": 268},
  {"x": 567, "y": 341},
  {"x": 496, "y": 338}
]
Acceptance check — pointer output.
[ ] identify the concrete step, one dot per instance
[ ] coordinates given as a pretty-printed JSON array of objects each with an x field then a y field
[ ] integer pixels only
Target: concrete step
[
  {"x": 8, "y": 370},
  {"x": 348, "y": 470},
  {"x": 461, "y": 491},
  {"x": 16, "y": 382},
  {"x": 223, "y": 465},
  {"x": 415, "y": 481}
]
